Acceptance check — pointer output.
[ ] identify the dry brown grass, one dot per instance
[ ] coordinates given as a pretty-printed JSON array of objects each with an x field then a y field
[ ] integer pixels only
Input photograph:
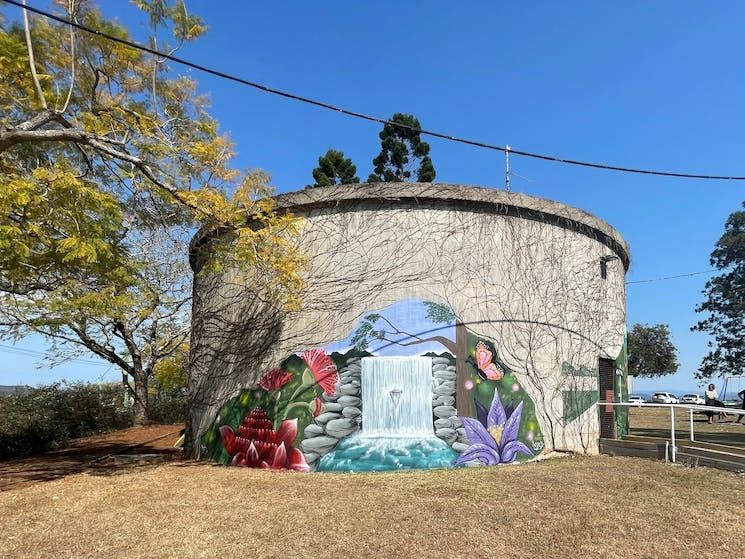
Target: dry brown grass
[
  {"x": 655, "y": 422},
  {"x": 567, "y": 507}
]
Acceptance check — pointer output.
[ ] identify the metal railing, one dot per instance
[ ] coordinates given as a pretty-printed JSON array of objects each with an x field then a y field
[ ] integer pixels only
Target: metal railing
[{"x": 691, "y": 409}]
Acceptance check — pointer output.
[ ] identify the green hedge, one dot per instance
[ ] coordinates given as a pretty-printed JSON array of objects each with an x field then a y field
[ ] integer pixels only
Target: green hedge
[
  {"x": 45, "y": 418},
  {"x": 168, "y": 408}
]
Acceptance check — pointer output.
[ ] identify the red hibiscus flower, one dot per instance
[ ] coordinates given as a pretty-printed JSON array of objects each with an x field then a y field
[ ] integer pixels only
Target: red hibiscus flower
[
  {"x": 274, "y": 379},
  {"x": 256, "y": 445},
  {"x": 323, "y": 369}
]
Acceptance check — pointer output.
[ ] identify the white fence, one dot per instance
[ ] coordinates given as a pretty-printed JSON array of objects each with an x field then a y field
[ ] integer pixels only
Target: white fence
[{"x": 691, "y": 409}]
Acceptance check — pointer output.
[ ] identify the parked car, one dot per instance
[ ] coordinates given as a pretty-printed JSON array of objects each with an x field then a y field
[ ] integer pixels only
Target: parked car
[
  {"x": 665, "y": 398},
  {"x": 692, "y": 399},
  {"x": 634, "y": 399}
]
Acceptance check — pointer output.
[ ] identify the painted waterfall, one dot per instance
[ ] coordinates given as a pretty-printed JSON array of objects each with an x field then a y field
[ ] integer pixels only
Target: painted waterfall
[
  {"x": 397, "y": 422},
  {"x": 397, "y": 397}
]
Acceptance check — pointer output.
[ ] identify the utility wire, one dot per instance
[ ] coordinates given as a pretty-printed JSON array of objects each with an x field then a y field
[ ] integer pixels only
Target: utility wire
[
  {"x": 34, "y": 353},
  {"x": 363, "y": 116},
  {"x": 673, "y": 277}
]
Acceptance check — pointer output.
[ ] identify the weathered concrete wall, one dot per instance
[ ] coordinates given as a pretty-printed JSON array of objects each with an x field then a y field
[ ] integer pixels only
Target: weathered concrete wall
[{"x": 520, "y": 271}]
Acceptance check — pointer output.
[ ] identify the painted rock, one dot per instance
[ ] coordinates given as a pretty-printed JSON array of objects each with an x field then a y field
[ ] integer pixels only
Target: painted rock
[
  {"x": 350, "y": 390},
  {"x": 313, "y": 430},
  {"x": 444, "y": 401},
  {"x": 319, "y": 445},
  {"x": 333, "y": 406},
  {"x": 350, "y": 401},
  {"x": 311, "y": 457},
  {"x": 340, "y": 428},
  {"x": 444, "y": 390},
  {"x": 326, "y": 417},
  {"x": 460, "y": 447},
  {"x": 446, "y": 434},
  {"x": 351, "y": 412},
  {"x": 442, "y": 411}
]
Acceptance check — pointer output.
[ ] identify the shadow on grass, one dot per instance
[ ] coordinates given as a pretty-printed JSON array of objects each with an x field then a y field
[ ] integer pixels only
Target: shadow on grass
[
  {"x": 109, "y": 470},
  {"x": 83, "y": 456}
]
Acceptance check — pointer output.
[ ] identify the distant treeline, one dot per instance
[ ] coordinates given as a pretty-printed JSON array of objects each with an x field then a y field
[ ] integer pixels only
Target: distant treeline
[{"x": 7, "y": 390}]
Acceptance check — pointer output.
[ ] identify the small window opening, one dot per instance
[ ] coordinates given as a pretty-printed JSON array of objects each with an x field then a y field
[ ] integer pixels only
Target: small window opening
[{"x": 604, "y": 265}]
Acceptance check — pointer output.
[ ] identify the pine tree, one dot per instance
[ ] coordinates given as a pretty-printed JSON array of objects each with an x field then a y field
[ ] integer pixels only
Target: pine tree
[
  {"x": 334, "y": 168},
  {"x": 401, "y": 150},
  {"x": 725, "y": 303}
]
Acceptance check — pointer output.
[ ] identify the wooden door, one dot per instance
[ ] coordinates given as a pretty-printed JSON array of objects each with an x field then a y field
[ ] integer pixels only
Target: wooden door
[{"x": 605, "y": 382}]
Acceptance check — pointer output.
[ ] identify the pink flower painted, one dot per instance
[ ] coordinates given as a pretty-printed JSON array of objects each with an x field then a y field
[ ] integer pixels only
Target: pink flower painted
[
  {"x": 255, "y": 444},
  {"x": 323, "y": 369},
  {"x": 274, "y": 379}
]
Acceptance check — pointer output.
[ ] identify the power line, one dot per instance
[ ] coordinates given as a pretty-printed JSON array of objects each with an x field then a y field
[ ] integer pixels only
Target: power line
[
  {"x": 672, "y": 277},
  {"x": 364, "y": 116},
  {"x": 33, "y": 353}
]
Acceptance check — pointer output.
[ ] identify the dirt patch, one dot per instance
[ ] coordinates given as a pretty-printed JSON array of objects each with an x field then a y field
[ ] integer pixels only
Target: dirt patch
[
  {"x": 588, "y": 507},
  {"x": 81, "y": 453}
]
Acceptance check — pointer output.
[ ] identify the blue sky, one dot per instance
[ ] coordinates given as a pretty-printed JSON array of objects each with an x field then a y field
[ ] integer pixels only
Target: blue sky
[{"x": 646, "y": 84}]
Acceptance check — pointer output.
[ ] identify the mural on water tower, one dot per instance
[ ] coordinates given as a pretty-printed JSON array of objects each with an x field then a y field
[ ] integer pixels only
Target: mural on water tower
[{"x": 410, "y": 387}]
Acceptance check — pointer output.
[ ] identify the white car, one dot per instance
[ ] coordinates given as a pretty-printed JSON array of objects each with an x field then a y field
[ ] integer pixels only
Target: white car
[
  {"x": 692, "y": 399},
  {"x": 665, "y": 398},
  {"x": 634, "y": 399}
]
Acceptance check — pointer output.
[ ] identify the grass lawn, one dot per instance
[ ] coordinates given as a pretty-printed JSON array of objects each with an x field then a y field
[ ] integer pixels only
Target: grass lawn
[
  {"x": 655, "y": 422},
  {"x": 564, "y": 507}
]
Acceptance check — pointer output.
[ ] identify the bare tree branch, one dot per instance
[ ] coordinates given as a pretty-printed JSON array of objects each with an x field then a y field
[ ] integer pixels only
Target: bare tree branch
[
  {"x": 71, "y": 13},
  {"x": 31, "y": 61}
]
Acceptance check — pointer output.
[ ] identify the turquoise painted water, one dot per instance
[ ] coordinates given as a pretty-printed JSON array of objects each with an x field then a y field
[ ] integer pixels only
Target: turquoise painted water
[{"x": 360, "y": 454}]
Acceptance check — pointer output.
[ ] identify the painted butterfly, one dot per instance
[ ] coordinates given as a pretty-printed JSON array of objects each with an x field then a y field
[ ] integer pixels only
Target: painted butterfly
[{"x": 487, "y": 369}]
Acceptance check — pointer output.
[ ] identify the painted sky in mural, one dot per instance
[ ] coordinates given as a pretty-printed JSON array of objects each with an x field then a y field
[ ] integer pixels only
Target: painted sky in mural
[{"x": 401, "y": 322}]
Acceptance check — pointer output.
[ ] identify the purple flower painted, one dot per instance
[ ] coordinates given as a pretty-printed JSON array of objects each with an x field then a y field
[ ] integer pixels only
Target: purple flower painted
[{"x": 493, "y": 436}]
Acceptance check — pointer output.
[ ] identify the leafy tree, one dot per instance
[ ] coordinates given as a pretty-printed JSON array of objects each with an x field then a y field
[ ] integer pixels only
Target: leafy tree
[
  {"x": 651, "y": 352},
  {"x": 725, "y": 303},
  {"x": 109, "y": 164},
  {"x": 171, "y": 374},
  {"x": 401, "y": 150},
  {"x": 334, "y": 168}
]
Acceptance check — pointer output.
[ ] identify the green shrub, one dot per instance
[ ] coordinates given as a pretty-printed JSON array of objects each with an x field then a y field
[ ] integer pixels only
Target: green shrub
[
  {"x": 47, "y": 417},
  {"x": 167, "y": 409}
]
